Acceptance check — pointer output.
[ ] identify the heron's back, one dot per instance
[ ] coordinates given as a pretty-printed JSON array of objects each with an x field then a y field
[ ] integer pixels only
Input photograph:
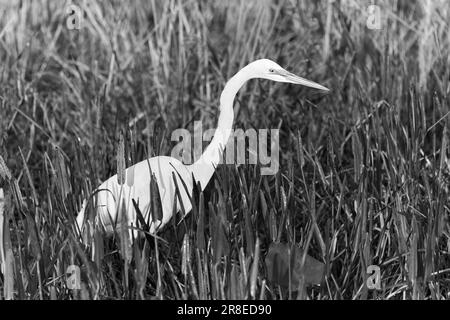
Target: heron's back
[{"x": 111, "y": 195}]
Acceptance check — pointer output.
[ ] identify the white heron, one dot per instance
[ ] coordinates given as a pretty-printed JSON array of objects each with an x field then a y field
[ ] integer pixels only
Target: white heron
[{"x": 111, "y": 195}]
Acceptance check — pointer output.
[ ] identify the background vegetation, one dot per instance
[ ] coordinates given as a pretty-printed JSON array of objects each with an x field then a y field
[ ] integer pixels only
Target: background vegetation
[{"x": 364, "y": 170}]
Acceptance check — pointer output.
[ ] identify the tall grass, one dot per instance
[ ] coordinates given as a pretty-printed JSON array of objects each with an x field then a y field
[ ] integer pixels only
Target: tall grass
[{"x": 364, "y": 171}]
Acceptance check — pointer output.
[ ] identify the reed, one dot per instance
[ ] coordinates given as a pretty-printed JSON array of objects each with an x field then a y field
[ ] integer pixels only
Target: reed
[{"x": 364, "y": 171}]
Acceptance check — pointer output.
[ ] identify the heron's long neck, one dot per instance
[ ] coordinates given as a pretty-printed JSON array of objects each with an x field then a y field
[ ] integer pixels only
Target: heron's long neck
[{"x": 204, "y": 168}]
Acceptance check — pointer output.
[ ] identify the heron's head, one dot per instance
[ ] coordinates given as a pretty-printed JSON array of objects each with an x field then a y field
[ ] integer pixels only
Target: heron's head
[{"x": 267, "y": 69}]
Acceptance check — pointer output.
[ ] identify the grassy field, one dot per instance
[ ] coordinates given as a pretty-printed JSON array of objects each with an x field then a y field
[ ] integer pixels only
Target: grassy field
[{"x": 364, "y": 170}]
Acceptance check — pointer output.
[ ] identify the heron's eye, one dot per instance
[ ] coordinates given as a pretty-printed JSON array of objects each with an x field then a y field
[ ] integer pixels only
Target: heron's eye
[{"x": 271, "y": 70}]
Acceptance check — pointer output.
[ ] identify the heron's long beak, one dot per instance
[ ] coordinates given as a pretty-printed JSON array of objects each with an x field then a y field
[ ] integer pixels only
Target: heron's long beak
[{"x": 292, "y": 78}]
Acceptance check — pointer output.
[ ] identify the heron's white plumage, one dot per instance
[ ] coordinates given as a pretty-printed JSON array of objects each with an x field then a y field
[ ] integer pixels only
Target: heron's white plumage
[{"x": 110, "y": 195}]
